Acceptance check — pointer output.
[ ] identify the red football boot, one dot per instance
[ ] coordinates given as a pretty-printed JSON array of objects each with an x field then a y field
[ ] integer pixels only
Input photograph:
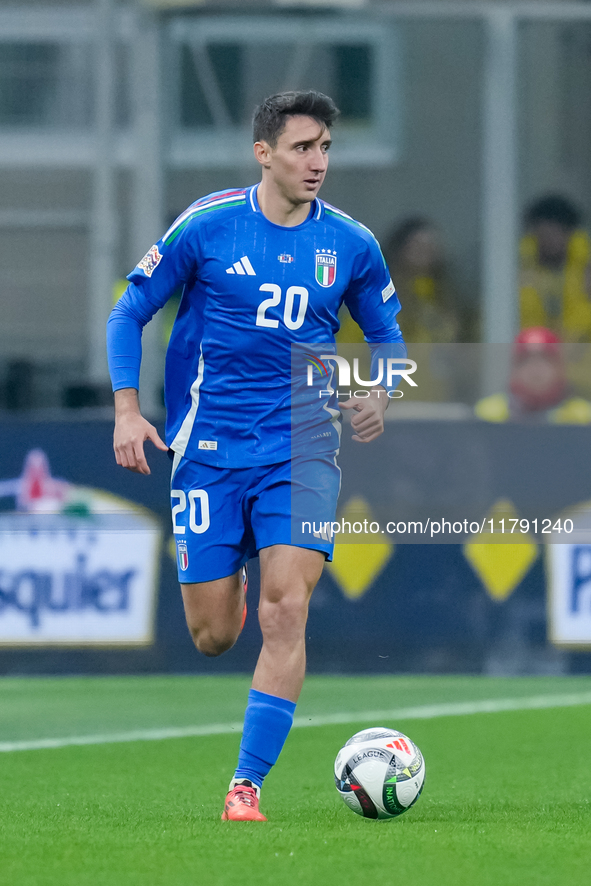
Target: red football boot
[{"x": 242, "y": 804}]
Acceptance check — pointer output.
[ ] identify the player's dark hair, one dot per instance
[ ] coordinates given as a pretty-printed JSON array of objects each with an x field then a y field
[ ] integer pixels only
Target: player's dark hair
[
  {"x": 271, "y": 115},
  {"x": 553, "y": 208}
]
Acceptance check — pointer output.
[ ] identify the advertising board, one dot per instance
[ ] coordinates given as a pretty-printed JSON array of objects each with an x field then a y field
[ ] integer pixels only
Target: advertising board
[{"x": 78, "y": 566}]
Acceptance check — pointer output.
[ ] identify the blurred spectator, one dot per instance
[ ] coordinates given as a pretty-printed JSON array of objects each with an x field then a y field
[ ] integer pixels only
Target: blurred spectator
[
  {"x": 555, "y": 275},
  {"x": 415, "y": 257},
  {"x": 538, "y": 386}
]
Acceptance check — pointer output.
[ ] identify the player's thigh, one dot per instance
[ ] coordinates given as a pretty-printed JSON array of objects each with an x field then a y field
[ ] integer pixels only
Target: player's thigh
[
  {"x": 288, "y": 570},
  {"x": 213, "y": 603}
]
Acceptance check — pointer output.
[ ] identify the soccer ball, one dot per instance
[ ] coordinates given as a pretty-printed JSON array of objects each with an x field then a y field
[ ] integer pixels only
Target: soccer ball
[{"x": 379, "y": 773}]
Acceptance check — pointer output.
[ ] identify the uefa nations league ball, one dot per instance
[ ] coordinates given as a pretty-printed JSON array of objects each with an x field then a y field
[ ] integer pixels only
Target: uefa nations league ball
[{"x": 379, "y": 773}]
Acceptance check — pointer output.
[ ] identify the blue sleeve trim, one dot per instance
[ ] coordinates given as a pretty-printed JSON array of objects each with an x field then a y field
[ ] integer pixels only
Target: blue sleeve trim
[{"x": 385, "y": 351}]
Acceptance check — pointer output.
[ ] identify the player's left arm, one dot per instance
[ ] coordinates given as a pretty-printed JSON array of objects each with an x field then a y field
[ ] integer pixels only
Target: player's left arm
[
  {"x": 368, "y": 421},
  {"x": 373, "y": 304}
]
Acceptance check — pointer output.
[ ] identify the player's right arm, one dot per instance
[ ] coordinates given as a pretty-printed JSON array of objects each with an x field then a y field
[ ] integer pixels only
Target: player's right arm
[
  {"x": 373, "y": 304},
  {"x": 167, "y": 265}
]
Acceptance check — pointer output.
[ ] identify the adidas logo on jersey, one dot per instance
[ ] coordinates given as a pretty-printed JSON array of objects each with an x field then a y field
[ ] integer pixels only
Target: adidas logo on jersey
[{"x": 242, "y": 267}]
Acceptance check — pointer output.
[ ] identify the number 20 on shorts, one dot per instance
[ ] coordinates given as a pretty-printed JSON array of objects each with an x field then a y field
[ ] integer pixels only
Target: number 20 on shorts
[{"x": 195, "y": 495}]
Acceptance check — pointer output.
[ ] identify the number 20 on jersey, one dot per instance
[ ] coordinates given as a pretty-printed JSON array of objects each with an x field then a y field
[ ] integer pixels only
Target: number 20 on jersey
[{"x": 294, "y": 292}]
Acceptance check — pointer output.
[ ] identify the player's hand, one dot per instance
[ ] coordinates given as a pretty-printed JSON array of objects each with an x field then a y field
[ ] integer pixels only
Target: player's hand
[
  {"x": 131, "y": 432},
  {"x": 368, "y": 420}
]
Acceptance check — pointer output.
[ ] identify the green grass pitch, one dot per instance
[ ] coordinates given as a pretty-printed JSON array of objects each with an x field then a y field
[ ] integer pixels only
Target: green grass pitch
[{"x": 507, "y": 796}]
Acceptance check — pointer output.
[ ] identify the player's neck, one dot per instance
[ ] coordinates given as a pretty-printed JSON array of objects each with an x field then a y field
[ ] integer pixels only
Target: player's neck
[{"x": 278, "y": 209}]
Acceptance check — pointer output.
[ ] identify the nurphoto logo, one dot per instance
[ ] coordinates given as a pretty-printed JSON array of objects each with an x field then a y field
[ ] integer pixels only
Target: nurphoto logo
[{"x": 395, "y": 368}]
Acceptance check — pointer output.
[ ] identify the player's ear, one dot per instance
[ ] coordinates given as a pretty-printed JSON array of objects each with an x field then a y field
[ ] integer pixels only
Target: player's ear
[{"x": 262, "y": 152}]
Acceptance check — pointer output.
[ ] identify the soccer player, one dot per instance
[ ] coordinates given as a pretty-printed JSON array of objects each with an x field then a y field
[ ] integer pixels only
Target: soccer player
[{"x": 262, "y": 268}]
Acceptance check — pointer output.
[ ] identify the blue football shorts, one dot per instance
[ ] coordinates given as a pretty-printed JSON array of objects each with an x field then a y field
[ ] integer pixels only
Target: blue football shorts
[{"x": 221, "y": 517}]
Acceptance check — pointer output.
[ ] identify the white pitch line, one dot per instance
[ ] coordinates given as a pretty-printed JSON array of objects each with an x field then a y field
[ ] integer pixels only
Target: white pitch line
[{"x": 422, "y": 712}]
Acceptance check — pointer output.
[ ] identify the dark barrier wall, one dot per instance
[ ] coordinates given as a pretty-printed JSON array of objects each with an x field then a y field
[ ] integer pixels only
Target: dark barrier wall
[
  {"x": 456, "y": 470},
  {"x": 425, "y": 609}
]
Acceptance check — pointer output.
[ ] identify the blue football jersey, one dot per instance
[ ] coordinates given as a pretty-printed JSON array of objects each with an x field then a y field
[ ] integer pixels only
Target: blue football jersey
[{"x": 251, "y": 291}]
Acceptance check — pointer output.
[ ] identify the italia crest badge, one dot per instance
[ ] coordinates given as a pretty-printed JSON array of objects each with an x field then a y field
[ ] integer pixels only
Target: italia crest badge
[
  {"x": 326, "y": 267},
  {"x": 183, "y": 555}
]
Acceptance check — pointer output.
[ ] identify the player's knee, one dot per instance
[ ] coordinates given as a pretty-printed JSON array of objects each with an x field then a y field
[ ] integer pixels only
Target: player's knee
[
  {"x": 283, "y": 614},
  {"x": 210, "y": 642}
]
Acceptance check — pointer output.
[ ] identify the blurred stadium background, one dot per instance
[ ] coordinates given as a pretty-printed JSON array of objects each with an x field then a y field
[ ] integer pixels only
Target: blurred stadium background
[{"x": 114, "y": 116}]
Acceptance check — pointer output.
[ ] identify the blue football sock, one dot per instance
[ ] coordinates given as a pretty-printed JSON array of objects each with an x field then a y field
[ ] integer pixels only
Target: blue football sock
[{"x": 267, "y": 722}]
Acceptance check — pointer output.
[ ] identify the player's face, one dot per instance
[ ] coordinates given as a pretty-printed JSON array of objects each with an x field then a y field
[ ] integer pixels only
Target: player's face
[{"x": 298, "y": 163}]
